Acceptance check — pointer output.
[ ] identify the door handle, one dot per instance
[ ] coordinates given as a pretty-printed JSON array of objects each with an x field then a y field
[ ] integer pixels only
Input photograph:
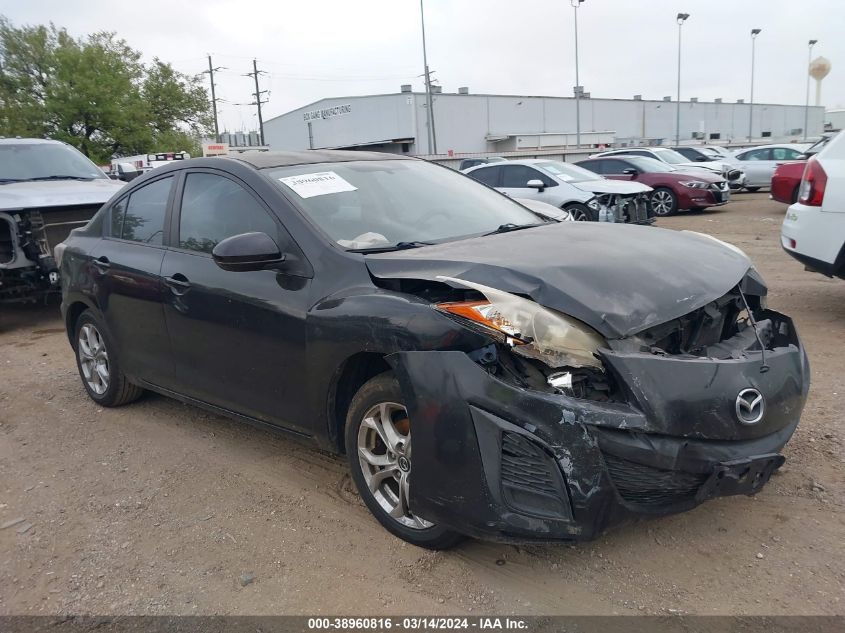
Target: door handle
[
  {"x": 102, "y": 263},
  {"x": 178, "y": 283}
]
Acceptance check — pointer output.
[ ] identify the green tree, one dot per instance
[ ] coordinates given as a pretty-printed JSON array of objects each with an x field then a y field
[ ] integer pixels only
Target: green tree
[{"x": 95, "y": 93}]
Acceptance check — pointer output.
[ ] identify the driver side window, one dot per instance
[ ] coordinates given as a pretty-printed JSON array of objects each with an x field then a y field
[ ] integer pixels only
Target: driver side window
[{"x": 214, "y": 208}]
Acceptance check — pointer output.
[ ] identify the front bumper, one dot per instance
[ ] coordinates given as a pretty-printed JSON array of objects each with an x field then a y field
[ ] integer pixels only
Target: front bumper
[{"x": 496, "y": 461}]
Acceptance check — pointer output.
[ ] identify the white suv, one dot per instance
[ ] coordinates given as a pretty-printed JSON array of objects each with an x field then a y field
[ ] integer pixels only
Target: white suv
[{"x": 813, "y": 230}]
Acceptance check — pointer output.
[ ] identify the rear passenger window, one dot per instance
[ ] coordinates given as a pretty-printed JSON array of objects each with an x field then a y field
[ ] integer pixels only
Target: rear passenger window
[
  {"x": 488, "y": 175},
  {"x": 144, "y": 217},
  {"x": 214, "y": 208}
]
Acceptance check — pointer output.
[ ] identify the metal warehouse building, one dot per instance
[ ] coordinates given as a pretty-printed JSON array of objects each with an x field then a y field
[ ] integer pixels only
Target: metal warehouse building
[{"x": 467, "y": 123}]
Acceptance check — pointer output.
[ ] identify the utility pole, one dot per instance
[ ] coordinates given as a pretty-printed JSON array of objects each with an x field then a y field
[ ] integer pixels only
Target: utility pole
[
  {"x": 754, "y": 34},
  {"x": 807, "y": 102},
  {"x": 257, "y": 94},
  {"x": 432, "y": 136},
  {"x": 578, "y": 88},
  {"x": 211, "y": 70},
  {"x": 682, "y": 17}
]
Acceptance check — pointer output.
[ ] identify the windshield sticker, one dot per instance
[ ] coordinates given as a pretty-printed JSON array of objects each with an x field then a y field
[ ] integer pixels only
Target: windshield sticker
[{"x": 317, "y": 184}]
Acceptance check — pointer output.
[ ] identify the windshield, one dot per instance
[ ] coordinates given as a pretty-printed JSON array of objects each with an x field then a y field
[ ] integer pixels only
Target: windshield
[
  {"x": 649, "y": 165},
  {"x": 37, "y": 161},
  {"x": 372, "y": 204},
  {"x": 670, "y": 156},
  {"x": 567, "y": 172}
]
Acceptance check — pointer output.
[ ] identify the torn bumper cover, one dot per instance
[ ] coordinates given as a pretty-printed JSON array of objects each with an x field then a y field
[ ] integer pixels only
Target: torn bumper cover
[{"x": 498, "y": 461}]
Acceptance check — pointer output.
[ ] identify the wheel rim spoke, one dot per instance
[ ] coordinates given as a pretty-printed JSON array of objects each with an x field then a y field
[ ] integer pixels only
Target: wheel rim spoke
[{"x": 374, "y": 459}]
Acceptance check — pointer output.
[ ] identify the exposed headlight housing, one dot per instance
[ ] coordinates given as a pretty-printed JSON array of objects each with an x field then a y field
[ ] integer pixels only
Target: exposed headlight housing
[
  {"x": 534, "y": 331},
  {"x": 594, "y": 204},
  {"x": 695, "y": 184}
]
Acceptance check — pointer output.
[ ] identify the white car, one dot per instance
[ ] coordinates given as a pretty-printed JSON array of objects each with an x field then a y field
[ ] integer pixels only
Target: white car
[
  {"x": 759, "y": 162},
  {"x": 813, "y": 230},
  {"x": 586, "y": 195},
  {"x": 732, "y": 173}
]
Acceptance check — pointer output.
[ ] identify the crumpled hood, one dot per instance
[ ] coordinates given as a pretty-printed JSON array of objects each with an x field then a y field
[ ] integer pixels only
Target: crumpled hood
[
  {"x": 619, "y": 279},
  {"x": 56, "y": 193},
  {"x": 604, "y": 185}
]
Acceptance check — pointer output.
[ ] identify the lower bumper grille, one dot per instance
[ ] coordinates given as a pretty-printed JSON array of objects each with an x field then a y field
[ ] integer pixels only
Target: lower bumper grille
[
  {"x": 531, "y": 479},
  {"x": 652, "y": 487}
]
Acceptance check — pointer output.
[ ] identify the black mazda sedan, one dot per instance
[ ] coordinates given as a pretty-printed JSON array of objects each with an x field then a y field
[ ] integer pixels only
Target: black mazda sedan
[{"x": 486, "y": 370}]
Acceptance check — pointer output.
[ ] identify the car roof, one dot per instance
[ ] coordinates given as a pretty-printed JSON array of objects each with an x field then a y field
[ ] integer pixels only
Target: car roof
[
  {"x": 264, "y": 160},
  {"x": 797, "y": 146},
  {"x": 521, "y": 161}
]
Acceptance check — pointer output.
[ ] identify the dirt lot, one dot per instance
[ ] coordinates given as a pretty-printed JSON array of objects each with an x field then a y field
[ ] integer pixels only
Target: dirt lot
[{"x": 160, "y": 507}]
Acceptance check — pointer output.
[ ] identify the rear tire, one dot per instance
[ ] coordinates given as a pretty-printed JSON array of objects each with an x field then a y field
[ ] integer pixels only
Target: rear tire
[
  {"x": 378, "y": 447},
  {"x": 582, "y": 213},
  {"x": 795, "y": 194},
  {"x": 663, "y": 202},
  {"x": 753, "y": 189},
  {"x": 98, "y": 365}
]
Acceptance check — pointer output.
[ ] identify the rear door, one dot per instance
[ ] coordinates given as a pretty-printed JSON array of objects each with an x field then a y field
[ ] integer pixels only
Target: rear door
[
  {"x": 238, "y": 338},
  {"x": 129, "y": 288},
  {"x": 758, "y": 165}
]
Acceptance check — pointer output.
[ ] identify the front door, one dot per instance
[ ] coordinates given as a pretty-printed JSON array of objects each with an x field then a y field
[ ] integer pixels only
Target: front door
[
  {"x": 515, "y": 179},
  {"x": 129, "y": 289},
  {"x": 238, "y": 338}
]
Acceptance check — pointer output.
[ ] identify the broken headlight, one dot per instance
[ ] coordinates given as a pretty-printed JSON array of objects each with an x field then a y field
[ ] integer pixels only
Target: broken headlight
[{"x": 532, "y": 330}]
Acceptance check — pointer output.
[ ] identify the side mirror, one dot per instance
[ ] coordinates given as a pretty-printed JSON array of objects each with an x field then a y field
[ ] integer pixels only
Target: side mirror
[
  {"x": 536, "y": 184},
  {"x": 127, "y": 172},
  {"x": 247, "y": 251},
  {"x": 701, "y": 159},
  {"x": 630, "y": 171}
]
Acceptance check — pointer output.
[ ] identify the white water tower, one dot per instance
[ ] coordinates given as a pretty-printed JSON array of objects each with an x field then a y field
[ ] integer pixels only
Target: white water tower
[{"x": 819, "y": 69}]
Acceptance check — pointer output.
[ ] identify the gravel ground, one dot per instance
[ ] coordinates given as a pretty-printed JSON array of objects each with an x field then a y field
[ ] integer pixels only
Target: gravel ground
[{"x": 162, "y": 508}]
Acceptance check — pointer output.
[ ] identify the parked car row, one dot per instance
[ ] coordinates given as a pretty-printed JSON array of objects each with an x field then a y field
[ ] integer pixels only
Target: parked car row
[
  {"x": 487, "y": 371},
  {"x": 582, "y": 193}
]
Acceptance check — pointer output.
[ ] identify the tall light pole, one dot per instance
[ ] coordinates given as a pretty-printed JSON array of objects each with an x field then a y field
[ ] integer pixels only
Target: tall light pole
[
  {"x": 754, "y": 34},
  {"x": 811, "y": 43},
  {"x": 432, "y": 137},
  {"x": 682, "y": 17},
  {"x": 575, "y": 4}
]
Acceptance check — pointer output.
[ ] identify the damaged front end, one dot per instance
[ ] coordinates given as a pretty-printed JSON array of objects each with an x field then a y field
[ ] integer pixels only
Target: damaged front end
[
  {"x": 554, "y": 431},
  {"x": 28, "y": 269},
  {"x": 632, "y": 208}
]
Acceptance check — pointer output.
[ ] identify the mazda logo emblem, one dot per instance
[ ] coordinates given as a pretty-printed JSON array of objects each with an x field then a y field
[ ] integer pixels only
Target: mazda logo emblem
[{"x": 750, "y": 406}]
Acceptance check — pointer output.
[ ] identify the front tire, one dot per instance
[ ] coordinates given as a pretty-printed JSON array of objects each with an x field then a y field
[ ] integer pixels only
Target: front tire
[
  {"x": 752, "y": 189},
  {"x": 664, "y": 202},
  {"x": 582, "y": 213},
  {"x": 378, "y": 447},
  {"x": 98, "y": 366}
]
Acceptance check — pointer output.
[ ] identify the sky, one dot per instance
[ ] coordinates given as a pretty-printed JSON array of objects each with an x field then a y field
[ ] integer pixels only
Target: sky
[{"x": 326, "y": 48}]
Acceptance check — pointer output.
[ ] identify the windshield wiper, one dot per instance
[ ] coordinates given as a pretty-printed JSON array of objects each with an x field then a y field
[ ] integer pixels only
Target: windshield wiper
[
  {"x": 399, "y": 246},
  {"x": 57, "y": 178},
  {"x": 510, "y": 226}
]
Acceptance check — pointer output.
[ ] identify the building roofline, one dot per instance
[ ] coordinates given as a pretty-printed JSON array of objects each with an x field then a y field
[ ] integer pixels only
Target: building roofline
[{"x": 519, "y": 96}]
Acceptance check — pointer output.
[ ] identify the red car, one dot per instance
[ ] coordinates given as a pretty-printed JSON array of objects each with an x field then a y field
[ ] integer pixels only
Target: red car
[
  {"x": 674, "y": 188},
  {"x": 787, "y": 177}
]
